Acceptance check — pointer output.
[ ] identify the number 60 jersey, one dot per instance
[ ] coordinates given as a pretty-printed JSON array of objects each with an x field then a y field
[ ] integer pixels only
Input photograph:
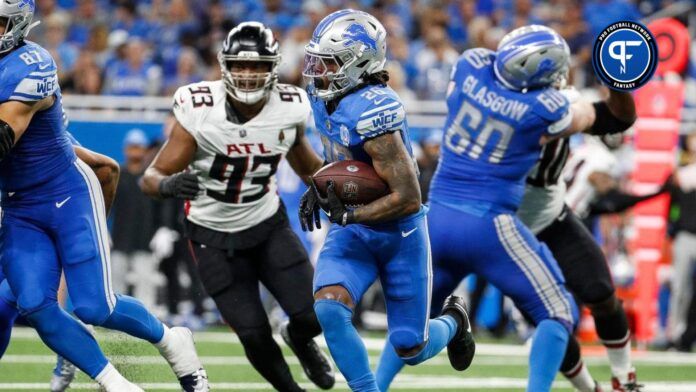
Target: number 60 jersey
[
  {"x": 235, "y": 163},
  {"x": 492, "y": 135}
]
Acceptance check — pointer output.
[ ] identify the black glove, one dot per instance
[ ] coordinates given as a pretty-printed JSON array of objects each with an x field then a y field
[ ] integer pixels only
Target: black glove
[
  {"x": 180, "y": 186},
  {"x": 309, "y": 209},
  {"x": 334, "y": 206}
]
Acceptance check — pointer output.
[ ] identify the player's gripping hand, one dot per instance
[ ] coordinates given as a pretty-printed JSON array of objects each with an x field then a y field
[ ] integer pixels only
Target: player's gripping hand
[
  {"x": 334, "y": 206},
  {"x": 309, "y": 209},
  {"x": 180, "y": 186}
]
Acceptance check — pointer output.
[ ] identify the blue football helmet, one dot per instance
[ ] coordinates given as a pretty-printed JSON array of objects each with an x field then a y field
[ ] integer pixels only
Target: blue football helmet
[
  {"x": 532, "y": 57},
  {"x": 16, "y": 15}
]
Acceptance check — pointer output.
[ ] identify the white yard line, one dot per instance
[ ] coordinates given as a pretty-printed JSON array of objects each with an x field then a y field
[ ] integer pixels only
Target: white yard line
[
  {"x": 402, "y": 383},
  {"x": 510, "y": 351},
  {"x": 237, "y": 360}
]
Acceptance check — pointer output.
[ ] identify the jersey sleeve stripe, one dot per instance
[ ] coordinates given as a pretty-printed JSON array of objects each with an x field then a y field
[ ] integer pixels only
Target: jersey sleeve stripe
[
  {"x": 561, "y": 125},
  {"x": 43, "y": 74},
  {"x": 25, "y": 97},
  {"x": 375, "y": 110}
]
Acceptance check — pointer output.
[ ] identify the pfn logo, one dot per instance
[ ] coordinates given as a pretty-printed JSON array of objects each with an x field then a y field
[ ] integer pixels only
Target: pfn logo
[
  {"x": 625, "y": 56},
  {"x": 621, "y": 54}
]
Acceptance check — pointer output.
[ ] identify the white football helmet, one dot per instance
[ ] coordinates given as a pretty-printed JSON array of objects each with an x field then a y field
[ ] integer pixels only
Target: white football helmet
[
  {"x": 346, "y": 46},
  {"x": 16, "y": 15}
]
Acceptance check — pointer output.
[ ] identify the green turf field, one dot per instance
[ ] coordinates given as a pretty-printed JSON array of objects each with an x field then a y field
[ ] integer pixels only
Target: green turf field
[{"x": 497, "y": 367}]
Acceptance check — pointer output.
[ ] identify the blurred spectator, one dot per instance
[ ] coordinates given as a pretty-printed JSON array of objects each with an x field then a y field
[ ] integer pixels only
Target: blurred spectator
[
  {"x": 397, "y": 81},
  {"x": 574, "y": 29},
  {"x": 434, "y": 63},
  {"x": 187, "y": 71},
  {"x": 87, "y": 77},
  {"x": 86, "y": 16},
  {"x": 135, "y": 75},
  {"x": 133, "y": 263},
  {"x": 64, "y": 53},
  {"x": 601, "y": 13},
  {"x": 292, "y": 54},
  {"x": 684, "y": 251},
  {"x": 428, "y": 159},
  {"x": 125, "y": 17}
]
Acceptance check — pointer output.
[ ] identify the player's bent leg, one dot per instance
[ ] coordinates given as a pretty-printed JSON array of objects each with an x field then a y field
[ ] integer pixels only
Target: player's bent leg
[
  {"x": 334, "y": 308},
  {"x": 587, "y": 275},
  {"x": 233, "y": 284},
  {"x": 83, "y": 248},
  {"x": 574, "y": 369},
  {"x": 533, "y": 280},
  {"x": 287, "y": 273}
]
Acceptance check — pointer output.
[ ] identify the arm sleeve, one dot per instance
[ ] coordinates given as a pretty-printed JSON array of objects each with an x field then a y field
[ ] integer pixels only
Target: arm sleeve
[{"x": 616, "y": 201}]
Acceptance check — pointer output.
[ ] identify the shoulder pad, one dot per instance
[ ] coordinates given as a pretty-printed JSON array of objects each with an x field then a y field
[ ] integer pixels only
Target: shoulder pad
[
  {"x": 28, "y": 74},
  {"x": 377, "y": 110},
  {"x": 189, "y": 101}
]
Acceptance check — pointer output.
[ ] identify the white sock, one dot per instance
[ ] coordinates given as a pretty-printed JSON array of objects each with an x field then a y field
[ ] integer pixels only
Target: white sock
[
  {"x": 110, "y": 378},
  {"x": 580, "y": 377},
  {"x": 619, "y": 353},
  {"x": 166, "y": 338}
]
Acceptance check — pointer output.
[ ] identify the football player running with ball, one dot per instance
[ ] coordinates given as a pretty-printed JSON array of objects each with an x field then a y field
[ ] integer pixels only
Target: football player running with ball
[
  {"x": 360, "y": 118},
  {"x": 231, "y": 134}
]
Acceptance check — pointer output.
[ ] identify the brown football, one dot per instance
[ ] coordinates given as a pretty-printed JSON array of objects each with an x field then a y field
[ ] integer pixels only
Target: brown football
[{"x": 356, "y": 183}]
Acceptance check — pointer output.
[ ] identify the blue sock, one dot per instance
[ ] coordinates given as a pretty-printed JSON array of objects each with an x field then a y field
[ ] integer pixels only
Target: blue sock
[
  {"x": 8, "y": 315},
  {"x": 440, "y": 332},
  {"x": 68, "y": 338},
  {"x": 548, "y": 348},
  {"x": 131, "y": 317},
  {"x": 390, "y": 364},
  {"x": 346, "y": 346}
]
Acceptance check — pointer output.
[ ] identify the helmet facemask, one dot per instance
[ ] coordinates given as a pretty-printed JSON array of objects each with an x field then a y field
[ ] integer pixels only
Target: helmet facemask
[
  {"x": 326, "y": 74},
  {"x": 16, "y": 28},
  {"x": 248, "y": 78}
]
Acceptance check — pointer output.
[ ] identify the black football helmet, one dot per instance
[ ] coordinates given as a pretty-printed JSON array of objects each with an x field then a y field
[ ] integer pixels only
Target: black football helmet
[{"x": 249, "y": 60}]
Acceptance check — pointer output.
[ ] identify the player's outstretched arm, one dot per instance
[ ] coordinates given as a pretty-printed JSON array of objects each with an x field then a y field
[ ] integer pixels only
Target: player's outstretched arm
[
  {"x": 613, "y": 115},
  {"x": 107, "y": 172},
  {"x": 302, "y": 158},
  {"x": 395, "y": 166},
  {"x": 15, "y": 117},
  {"x": 165, "y": 177}
]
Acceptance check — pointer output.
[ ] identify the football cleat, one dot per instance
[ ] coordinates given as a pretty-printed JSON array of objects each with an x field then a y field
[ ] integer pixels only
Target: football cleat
[
  {"x": 630, "y": 386},
  {"x": 63, "y": 375},
  {"x": 180, "y": 352},
  {"x": 462, "y": 347},
  {"x": 195, "y": 382},
  {"x": 315, "y": 363}
]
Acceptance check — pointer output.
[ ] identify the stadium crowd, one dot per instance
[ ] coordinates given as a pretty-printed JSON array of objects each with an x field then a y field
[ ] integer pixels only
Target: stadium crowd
[{"x": 149, "y": 47}]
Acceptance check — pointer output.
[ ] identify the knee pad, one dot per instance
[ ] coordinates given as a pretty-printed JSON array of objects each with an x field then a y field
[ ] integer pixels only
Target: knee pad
[
  {"x": 32, "y": 301},
  {"x": 94, "y": 314},
  {"x": 332, "y": 314},
  {"x": 606, "y": 307},
  {"x": 405, "y": 340},
  {"x": 255, "y": 337}
]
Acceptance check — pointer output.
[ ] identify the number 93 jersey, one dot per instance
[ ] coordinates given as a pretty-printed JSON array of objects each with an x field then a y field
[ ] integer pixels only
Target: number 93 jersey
[
  {"x": 492, "y": 135},
  {"x": 236, "y": 163}
]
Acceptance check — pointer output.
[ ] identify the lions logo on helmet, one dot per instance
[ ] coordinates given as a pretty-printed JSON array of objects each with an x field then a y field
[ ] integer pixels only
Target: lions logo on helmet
[
  {"x": 345, "y": 47},
  {"x": 532, "y": 57},
  {"x": 249, "y": 60},
  {"x": 16, "y": 16}
]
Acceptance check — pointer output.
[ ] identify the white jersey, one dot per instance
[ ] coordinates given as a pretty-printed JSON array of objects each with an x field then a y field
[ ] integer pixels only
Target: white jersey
[
  {"x": 543, "y": 198},
  {"x": 592, "y": 156},
  {"x": 236, "y": 163}
]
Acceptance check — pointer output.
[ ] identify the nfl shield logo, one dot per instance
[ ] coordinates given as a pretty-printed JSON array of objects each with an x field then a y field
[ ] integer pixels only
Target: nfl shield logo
[
  {"x": 350, "y": 190},
  {"x": 242, "y": 133},
  {"x": 345, "y": 135}
]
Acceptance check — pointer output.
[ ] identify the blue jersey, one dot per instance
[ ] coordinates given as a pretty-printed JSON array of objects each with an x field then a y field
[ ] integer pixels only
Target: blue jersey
[
  {"x": 367, "y": 113},
  {"x": 29, "y": 74},
  {"x": 492, "y": 137}
]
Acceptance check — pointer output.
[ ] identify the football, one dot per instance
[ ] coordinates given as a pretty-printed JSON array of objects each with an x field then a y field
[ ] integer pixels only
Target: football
[{"x": 356, "y": 183}]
